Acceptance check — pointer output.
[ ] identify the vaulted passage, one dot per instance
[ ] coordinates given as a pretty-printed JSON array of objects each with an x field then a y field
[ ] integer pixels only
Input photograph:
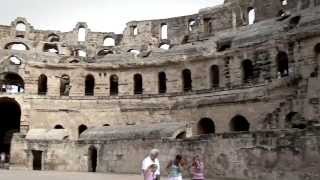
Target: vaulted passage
[
  {"x": 239, "y": 123},
  {"x": 10, "y": 113},
  {"x": 206, "y": 126},
  {"x": 89, "y": 85},
  {"x": 138, "y": 84}
]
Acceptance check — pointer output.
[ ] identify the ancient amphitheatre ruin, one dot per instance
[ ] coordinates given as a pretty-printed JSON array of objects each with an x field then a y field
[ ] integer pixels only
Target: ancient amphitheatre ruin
[{"x": 236, "y": 83}]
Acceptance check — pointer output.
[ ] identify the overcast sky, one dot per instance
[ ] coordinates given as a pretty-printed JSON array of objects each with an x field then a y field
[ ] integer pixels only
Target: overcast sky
[{"x": 101, "y": 15}]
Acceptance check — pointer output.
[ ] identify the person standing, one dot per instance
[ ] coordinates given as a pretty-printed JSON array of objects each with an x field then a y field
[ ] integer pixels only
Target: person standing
[
  {"x": 197, "y": 169},
  {"x": 149, "y": 160},
  {"x": 175, "y": 168}
]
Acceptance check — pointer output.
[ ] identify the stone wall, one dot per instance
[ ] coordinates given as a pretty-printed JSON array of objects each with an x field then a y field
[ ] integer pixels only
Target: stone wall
[{"x": 282, "y": 155}]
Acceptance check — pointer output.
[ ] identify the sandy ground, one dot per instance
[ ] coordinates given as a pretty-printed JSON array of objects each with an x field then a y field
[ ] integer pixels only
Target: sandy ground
[{"x": 53, "y": 175}]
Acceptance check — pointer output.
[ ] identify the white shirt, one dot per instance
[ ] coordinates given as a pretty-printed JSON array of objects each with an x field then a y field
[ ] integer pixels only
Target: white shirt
[{"x": 148, "y": 162}]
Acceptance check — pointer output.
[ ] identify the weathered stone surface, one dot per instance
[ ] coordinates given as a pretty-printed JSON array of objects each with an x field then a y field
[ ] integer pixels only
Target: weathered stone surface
[{"x": 255, "y": 87}]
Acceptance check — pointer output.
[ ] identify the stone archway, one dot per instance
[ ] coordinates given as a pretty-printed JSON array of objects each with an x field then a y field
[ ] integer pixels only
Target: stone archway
[{"x": 10, "y": 113}]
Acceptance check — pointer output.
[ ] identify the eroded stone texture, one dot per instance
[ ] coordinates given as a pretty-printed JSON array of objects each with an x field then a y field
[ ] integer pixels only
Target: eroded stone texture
[{"x": 78, "y": 97}]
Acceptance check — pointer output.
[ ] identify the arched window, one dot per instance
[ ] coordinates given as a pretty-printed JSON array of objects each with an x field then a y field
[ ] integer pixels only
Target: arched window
[
  {"x": 17, "y": 46},
  {"x": 162, "y": 82},
  {"x": 89, "y": 85},
  {"x": 81, "y": 129},
  {"x": 247, "y": 71},
  {"x": 164, "y": 31},
  {"x": 165, "y": 46},
  {"x": 58, "y": 126},
  {"x": 206, "y": 126},
  {"x": 191, "y": 25},
  {"x": 20, "y": 26},
  {"x": 134, "y": 52},
  {"x": 108, "y": 41},
  {"x": 81, "y": 53},
  {"x": 114, "y": 85},
  {"x": 82, "y": 34},
  {"x": 214, "y": 76},
  {"x": 12, "y": 83},
  {"x": 93, "y": 159},
  {"x": 134, "y": 30},
  {"x": 138, "y": 84},
  {"x": 186, "y": 80},
  {"x": 251, "y": 15},
  {"x": 317, "y": 49},
  {"x": 15, "y": 60},
  {"x": 65, "y": 85},
  {"x": 294, "y": 120},
  {"x": 283, "y": 64},
  {"x": 284, "y": 2},
  {"x": 239, "y": 123},
  {"x": 42, "y": 84},
  {"x": 105, "y": 52},
  {"x": 51, "y": 48},
  {"x": 53, "y": 38}
]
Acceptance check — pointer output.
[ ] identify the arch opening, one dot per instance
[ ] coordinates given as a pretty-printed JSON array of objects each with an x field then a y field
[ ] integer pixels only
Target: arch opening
[
  {"x": 214, "y": 76},
  {"x": 239, "y": 123},
  {"x": 89, "y": 85},
  {"x": 42, "y": 85},
  {"x": 164, "y": 31},
  {"x": 138, "y": 84},
  {"x": 114, "y": 85},
  {"x": 93, "y": 159},
  {"x": 282, "y": 64},
  {"x": 82, "y": 128},
  {"x": 53, "y": 38},
  {"x": 65, "y": 85},
  {"x": 186, "y": 80},
  {"x": 162, "y": 83},
  {"x": 108, "y": 41},
  {"x": 82, "y": 34},
  {"x": 105, "y": 52},
  {"x": 295, "y": 120},
  {"x": 247, "y": 69},
  {"x": 10, "y": 116},
  {"x": 19, "y": 46},
  {"x": 317, "y": 49},
  {"x": 206, "y": 126},
  {"x": 12, "y": 83},
  {"x": 191, "y": 25},
  {"x": 58, "y": 126},
  {"x": 251, "y": 15},
  {"x": 21, "y": 26}
]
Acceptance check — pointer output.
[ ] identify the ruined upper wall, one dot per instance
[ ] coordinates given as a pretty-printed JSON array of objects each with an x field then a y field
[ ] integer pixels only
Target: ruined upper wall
[{"x": 144, "y": 36}]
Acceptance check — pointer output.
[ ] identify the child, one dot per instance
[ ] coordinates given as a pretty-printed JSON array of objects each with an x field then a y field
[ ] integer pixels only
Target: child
[
  {"x": 197, "y": 169},
  {"x": 150, "y": 172}
]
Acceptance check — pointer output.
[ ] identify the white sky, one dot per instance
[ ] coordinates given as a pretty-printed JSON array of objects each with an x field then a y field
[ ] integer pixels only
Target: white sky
[{"x": 101, "y": 15}]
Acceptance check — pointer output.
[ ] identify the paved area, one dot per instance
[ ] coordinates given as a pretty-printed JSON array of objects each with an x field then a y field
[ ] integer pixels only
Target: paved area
[{"x": 48, "y": 175}]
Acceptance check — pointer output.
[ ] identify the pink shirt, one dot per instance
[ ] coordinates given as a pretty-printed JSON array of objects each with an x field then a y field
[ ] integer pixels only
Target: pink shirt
[
  {"x": 148, "y": 175},
  {"x": 198, "y": 171}
]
